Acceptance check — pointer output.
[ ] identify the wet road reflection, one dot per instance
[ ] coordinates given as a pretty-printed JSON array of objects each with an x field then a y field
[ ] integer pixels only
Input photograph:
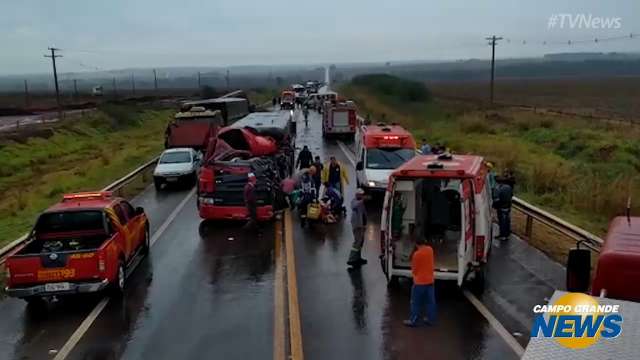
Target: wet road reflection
[{"x": 353, "y": 315}]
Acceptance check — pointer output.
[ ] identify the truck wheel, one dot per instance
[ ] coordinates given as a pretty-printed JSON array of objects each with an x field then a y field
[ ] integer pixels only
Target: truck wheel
[
  {"x": 158, "y": 184},
  {"x": 117, "y": 288},
  {"x": 478, "y": 282}
]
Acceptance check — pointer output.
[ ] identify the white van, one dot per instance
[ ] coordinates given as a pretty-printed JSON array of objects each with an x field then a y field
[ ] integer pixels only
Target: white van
[
  {"x": 446, "y": 200},
  {"x": 380, "y": 149}
]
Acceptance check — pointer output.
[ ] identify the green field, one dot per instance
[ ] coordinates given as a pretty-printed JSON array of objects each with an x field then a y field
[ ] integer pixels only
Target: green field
[
  {"x": 79, "y": 155},
  {"x": 582, "y": 170}
]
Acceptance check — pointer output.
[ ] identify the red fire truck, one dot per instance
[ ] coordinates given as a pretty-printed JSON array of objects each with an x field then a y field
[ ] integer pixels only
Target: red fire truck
[{"x": 339, "y": 118}]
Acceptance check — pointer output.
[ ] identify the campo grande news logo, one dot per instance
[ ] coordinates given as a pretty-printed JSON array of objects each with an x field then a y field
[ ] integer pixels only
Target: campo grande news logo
[{"x": 577, "y": 321}]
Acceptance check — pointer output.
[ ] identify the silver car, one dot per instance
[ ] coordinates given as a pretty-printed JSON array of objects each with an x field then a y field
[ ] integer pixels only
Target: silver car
[{"x": 177, "y": 166}]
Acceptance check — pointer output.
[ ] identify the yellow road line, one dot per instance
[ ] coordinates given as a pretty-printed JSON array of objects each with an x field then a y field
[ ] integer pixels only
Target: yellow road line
[
  {"x": 295, "y": 331},
  {"x": 278, "y": 304}
]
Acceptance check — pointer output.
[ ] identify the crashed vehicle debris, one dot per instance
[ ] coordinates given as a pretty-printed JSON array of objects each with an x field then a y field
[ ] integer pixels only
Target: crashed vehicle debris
[{"x": 261, "y": 143}]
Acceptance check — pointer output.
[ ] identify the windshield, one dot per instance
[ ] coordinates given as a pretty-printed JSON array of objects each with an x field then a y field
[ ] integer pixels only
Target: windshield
[
  {"x": 388, "y": 158},
  {"x": 70, "y": 221},
  {"x": 175, "y": 157}
]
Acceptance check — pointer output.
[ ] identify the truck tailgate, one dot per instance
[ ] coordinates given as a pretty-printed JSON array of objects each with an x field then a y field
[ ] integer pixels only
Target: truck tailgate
[{"x": 52, "y": 267}]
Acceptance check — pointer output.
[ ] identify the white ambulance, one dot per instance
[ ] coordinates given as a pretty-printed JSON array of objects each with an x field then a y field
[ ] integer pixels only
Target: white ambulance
[{"x": 446, "y": 200}]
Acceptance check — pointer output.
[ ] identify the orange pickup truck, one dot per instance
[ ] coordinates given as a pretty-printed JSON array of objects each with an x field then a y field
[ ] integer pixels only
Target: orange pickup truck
[{"x": 88, "y": 242}]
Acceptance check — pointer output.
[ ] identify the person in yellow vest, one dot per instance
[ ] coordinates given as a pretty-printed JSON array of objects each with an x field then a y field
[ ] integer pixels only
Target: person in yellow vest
[{"x": 334, "y": 174}]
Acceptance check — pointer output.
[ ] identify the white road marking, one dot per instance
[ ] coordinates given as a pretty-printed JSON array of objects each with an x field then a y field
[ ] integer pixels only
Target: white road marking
[
  {"x": 495, "y": 323},
  {"x": 81, "y": 330},
  {"x": 93, "y": 315},
  {"x": 347, "y": 153},
  {"x": 172, "y": 217},
  {"x": 497, "y": 326}
]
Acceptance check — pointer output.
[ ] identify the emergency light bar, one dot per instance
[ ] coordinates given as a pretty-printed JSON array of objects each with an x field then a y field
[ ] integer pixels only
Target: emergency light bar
[{"x": 102, "y": 195}]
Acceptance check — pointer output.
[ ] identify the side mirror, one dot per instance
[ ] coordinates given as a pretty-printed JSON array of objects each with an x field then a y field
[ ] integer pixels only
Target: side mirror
[
  {"x": 139, "y": 210},
  {"x": 359, "y": 166},
  {"x": 578, "y": 270}
]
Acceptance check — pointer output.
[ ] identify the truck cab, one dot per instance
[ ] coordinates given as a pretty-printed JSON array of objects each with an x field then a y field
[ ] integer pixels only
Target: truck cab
[
  {"x": 88, "y": 242},
  {"x": 261, "y": 143},
  {"x": 380, "y": 149},
  {"x": 617, "y": 271},
  {"x": 339, "y": 118},
  {"x": 288, "y": 100},
  {"x": 446, "y": 200}
]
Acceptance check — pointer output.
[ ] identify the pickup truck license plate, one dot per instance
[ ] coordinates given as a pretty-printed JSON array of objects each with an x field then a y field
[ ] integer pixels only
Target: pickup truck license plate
[
  {"x": 172, "y": 179},
  {"x": 62, "y": 286}
]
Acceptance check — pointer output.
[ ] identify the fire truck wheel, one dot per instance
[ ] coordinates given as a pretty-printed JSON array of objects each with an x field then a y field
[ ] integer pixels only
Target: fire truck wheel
[{"x": 478, "y": 283}]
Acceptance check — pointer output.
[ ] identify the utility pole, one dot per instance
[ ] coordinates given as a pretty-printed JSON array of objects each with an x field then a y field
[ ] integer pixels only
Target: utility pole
[
  {"x": 75, "y": 88},
  {"x": 493, "y": 40},
  {"x": 199, "y": 81},
  {"x": 53, "y": 57},
  {"x": 133, "y": 84},
  {"x": 26, "y": 94},
  {"x": 227, "y": 78},
  {"x": 155, "y": 80},
  {"x": 115, "y": 89}
]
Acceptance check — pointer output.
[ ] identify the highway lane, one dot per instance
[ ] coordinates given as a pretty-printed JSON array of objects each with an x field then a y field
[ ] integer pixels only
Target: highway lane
[
  {"x": 27, "y": 334},
  {"x": 207, "y": 291},
  {"x": 353, "y": 314}
]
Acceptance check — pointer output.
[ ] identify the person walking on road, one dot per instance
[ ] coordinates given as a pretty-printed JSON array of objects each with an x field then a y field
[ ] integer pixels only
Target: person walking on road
[
  {"x": 317, "y": 177},
  {"x": 502, "y": 204},
  {"x": 250, "y": 200},
  {"x": 305, "y": 112},
  {"x": 423, "y": 291},
  {"x": 334, "y": 174},
  {"x": 358, "y": 225},
  {"x": 304, "y": 158}
]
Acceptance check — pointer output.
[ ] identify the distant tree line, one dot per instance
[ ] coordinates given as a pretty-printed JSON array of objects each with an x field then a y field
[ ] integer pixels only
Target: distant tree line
[{"x": 388, "y": 85}]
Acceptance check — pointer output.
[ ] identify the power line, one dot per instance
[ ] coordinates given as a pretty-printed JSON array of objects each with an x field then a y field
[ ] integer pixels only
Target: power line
[
  {"x": 493, "y": 41},
  {"x": 53, "y": 57}
]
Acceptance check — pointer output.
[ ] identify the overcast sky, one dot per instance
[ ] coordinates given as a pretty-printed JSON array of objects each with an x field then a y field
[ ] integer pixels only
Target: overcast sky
[{"x": 113, "y": 34}]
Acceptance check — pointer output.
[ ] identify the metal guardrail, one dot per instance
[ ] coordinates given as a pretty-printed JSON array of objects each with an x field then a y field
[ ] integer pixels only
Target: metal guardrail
[
  {"x": 533, "y": 213},
  {"x": 116, "y": 187}
]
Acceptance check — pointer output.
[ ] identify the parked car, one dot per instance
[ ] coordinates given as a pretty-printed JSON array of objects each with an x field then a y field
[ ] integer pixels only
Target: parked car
[{"x": 177, "y": 166}]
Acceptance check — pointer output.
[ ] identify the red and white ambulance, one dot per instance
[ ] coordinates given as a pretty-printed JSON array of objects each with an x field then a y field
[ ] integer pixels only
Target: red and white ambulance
[
  {"x": 446, "y": 200},
  {"x": 380, "y": 149},
  {"x": 339, "y": 118}
]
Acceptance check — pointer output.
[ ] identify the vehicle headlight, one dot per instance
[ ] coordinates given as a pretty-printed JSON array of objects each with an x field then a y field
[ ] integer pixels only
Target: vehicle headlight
[{"x": 372, "y": 183}]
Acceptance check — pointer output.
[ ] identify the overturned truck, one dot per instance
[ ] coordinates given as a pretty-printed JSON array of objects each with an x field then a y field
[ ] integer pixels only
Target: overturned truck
[{"x": 261, "y": 143}]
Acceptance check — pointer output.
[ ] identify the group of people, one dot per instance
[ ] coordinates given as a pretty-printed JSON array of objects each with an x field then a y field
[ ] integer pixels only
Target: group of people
[
  {"x": 427, "y": 149},
  {"x": 314, "y": 173}
]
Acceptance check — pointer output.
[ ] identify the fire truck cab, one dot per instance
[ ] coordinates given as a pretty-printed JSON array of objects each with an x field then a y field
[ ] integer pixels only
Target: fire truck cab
[
  {"x": 446, "y": 200},
  {"x": 287, "y": 100},
  {"x": 380, "y": 149},
  {"x": 339, "y": 118}
]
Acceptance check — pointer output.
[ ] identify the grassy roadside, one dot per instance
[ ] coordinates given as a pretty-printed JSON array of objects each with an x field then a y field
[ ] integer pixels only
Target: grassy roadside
[
  {"x": 580, "y": 170},
  {"x": 85, "y": 154}
]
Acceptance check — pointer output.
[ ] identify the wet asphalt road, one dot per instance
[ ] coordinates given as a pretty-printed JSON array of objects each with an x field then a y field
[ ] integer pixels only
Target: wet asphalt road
[{"x": 207, "y": 292}]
